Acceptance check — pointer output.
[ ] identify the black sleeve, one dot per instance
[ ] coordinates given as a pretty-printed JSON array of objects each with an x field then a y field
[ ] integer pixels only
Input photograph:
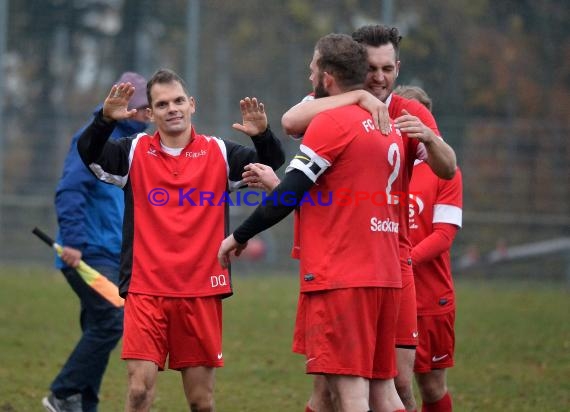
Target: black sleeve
[
  {"x": 268, "y": 150},
  {"x": 105, "y": 158},
  {"x": 92, "y": 141},
  {"x": 274, "y": 209}
]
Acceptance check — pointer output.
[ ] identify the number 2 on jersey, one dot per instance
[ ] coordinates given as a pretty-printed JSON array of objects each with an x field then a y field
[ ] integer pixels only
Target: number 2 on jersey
[{"x": 394, "y": 160}]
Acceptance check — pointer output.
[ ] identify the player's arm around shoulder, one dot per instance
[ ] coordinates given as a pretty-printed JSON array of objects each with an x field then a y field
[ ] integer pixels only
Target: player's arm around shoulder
[{"x": 296, "y": 120}]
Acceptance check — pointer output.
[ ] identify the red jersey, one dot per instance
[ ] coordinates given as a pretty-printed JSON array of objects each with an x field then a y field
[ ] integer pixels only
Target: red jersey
[
  {"x": 176, "y": 207},
  {"x": 352, "y": 239},
  {"x": 413, "y": 150},
  {"x": 434, "y": 200}
]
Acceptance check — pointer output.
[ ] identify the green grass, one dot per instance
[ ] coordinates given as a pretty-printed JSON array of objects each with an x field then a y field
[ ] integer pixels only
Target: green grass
[{"x": 513, "y": 347}]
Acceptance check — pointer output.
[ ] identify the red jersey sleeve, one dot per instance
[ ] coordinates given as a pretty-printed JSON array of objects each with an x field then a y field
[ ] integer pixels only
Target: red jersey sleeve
[
  {"x": 324, "y": 140},
  {"x": 449, "y": 202},
  {"x": 435, "y": 244}
]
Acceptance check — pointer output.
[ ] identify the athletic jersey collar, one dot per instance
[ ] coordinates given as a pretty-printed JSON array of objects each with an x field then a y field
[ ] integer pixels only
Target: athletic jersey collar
[
  {"x": 389, "y": 100},
  {"x": 155, "y": 142}
]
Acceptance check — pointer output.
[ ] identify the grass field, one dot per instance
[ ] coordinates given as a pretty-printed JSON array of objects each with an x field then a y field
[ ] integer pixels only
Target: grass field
[{"x": 513, "y": 347}]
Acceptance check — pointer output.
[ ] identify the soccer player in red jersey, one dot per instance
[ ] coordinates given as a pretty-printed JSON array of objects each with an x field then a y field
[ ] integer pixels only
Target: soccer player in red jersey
[
  {"x": 350, "y": 277},
  {"x": 435, "y": 217},
  {"x": 421, "y": 141},
  {"x": 174, "y": 184}
]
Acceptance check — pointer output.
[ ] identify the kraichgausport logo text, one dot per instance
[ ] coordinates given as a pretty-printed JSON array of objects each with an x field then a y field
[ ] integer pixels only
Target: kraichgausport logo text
[{"x": 339, "y": 197}]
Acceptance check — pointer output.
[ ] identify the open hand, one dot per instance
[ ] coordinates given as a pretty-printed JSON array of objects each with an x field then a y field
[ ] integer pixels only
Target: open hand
[
  {"x": 254, "y": 118},
  {"x": 116, "y": 105}
]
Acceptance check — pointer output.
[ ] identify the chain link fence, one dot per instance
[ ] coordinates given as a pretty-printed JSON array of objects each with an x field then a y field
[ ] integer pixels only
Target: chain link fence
[
  {"x": 516, "y": 193},
  {"x": 516, "y": 170}
]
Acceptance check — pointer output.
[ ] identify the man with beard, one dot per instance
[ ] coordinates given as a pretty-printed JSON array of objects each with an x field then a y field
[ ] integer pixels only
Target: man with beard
[
  {"x": 422, "y": 141},
  {"x": 350, "y": 279}
]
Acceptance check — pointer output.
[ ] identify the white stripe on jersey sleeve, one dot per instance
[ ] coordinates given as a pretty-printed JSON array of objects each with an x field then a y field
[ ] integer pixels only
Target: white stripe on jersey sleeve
[
  {"x": 102, "y": 175},
  {"x": 232, "y": 185},
  {"x": 308, "y": 162},
  {"x": 448, "y": 214},
  {"x": 116, "y": 180}
]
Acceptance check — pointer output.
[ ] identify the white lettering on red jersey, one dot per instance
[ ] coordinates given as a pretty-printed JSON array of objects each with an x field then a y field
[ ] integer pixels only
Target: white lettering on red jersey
[{"x": 338, "y": 249}]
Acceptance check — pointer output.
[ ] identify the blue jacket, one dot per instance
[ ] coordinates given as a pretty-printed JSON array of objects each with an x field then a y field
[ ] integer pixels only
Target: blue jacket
[{"x": 90, "y": 212}]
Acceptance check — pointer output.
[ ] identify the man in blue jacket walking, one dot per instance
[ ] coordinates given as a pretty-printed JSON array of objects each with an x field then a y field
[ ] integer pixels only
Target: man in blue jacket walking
[{"x": 90, "y": 216}]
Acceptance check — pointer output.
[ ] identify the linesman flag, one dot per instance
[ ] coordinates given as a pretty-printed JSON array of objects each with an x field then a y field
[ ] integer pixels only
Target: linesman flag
[{"x": 94, "y": 279}]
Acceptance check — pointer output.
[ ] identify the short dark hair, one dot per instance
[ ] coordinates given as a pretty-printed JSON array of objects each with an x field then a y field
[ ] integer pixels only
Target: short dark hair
[
  {"x": 164, "y": 76},
  {"x": 376, "y": 35},
  {"x": 344, "y": 59}
]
